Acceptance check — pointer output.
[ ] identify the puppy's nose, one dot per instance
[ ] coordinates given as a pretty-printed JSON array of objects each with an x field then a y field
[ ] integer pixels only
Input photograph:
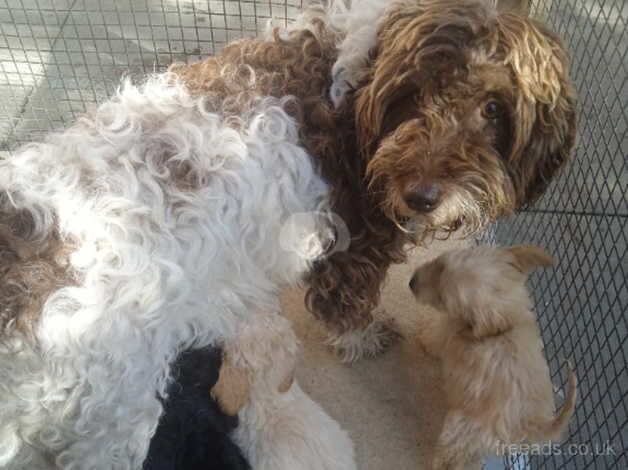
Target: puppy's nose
[
  {"x": 413, "y": 283},
  {"x": 422, "y": 198}
]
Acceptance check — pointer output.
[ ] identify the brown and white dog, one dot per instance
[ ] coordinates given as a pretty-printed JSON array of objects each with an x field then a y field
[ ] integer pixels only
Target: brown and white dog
[
  {"x": 457, "y": 114},
  {"x": 172, "y": 216},
  {"x": 495, "y": 377}
]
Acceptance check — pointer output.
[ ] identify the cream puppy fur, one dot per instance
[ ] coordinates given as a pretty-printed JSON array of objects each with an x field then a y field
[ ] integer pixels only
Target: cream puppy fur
[
  {"x": 284, "y": 430},
  {"x": 482, "y": 328}
]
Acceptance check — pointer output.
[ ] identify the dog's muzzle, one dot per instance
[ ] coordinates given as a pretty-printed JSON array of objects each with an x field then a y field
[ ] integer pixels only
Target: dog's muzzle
[{"x": 422, "y": 198}]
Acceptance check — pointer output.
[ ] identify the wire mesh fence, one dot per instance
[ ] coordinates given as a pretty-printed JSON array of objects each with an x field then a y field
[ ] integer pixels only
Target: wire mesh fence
[
  {"x": 583, "y": 220},
  {"x": 60, "y": 57}
]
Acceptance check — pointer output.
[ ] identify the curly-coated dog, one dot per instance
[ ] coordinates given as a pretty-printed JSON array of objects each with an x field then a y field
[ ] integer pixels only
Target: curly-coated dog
[
  {"x": 495, "y": 377},
  {"x": 457, "y": 114},
  {"x": 150, "y": 227},
  {"x": 156, "y": 224}
]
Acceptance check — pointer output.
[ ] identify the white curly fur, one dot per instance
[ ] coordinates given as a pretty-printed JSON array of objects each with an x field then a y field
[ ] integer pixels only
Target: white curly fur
[
  {"x": 357, "y": 22},
  {"x": 161, "y": 268},
  {"x": 283, "y": 430}
]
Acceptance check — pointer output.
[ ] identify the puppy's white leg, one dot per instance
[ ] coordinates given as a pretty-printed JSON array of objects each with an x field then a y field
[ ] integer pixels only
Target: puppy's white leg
[
  {"x": 291, "y": 432},
  {"x": 281, "y": 428}
]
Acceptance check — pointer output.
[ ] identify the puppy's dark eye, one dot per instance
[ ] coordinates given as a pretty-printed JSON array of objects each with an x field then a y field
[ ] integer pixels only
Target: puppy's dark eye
[{"x": 492, "y": 110}]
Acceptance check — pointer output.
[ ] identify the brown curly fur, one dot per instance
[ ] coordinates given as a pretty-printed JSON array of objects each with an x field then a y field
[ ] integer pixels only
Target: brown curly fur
[
  {"x": 438, "y": 65},
  {"x": 300, "y": 66},
  {"x": 32, "y": 266},
  {"x": 415, "y": 119}
]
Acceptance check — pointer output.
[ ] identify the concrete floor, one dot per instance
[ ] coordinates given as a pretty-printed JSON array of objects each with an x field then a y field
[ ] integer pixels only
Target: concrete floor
[
  {"x": 391, "y": 406},
  {"x": 58, "y": 58}
]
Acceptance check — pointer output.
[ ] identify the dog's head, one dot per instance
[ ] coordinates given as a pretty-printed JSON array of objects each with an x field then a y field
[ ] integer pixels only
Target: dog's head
[
  {"x": 482, "y": 287},
  {"x": 467, "y": 113}
]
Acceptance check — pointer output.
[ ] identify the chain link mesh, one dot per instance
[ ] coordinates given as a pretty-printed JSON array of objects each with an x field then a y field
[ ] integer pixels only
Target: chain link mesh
[
  {"x": 60, "y": 57},
  {"x": 582, "y": 304}
]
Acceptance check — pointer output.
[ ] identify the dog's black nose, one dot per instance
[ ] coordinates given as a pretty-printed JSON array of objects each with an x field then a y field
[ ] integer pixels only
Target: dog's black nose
[
  {"x": 422, "y": 198},
  {"x": 413, "y": 283}
]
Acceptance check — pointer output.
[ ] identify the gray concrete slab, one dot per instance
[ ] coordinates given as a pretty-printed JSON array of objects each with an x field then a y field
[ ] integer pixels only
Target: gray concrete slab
[{"x": 59, "y": 57}]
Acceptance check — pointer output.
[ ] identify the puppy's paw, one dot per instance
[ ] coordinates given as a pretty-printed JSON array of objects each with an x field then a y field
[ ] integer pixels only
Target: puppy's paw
[
  {"x": 286, "y": 383},
  {"x": 368, "y": 343},
  {"x": 233, "y": 389}
]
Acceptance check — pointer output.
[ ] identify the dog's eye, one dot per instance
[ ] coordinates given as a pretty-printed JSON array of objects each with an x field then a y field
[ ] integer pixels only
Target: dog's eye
[{"x": 492, "y": 110}]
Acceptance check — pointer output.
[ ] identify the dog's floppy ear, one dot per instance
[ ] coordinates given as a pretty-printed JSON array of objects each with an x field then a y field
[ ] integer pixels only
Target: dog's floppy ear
[
  {"x": 526, "y": 258},
  {"x": 544, "y": 119},
  {"x": 392, "y": 80}
]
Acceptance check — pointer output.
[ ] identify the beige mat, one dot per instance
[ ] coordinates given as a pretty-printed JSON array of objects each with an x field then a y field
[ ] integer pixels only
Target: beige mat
[{"x": 391, "y": 405}]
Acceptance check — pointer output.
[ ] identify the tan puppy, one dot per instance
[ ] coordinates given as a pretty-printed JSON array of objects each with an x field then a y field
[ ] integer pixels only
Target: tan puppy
[
  {"x": 496, "y": 378},
  {"x": 233, "y": 389},
  {"x": 256, "y": 361}
]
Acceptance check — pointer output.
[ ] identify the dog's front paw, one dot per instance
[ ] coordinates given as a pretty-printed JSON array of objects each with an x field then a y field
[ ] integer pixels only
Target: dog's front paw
[{"x": 369, "y": 342}]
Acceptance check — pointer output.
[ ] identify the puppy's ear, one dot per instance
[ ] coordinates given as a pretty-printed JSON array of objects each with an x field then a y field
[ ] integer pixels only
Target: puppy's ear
[
  {"x": 476, "y": 303},
  {"x": 544, "y": 119},
  {"x": 528, "y": 257},
  {"x": 485, "y": 324},
  {"x": 233, "y": 389}
]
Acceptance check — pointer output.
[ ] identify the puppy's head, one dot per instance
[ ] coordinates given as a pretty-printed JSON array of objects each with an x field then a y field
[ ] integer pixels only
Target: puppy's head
[
  {"x": 467, "y": 113},
  {"x": 482, "y": 287}
]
